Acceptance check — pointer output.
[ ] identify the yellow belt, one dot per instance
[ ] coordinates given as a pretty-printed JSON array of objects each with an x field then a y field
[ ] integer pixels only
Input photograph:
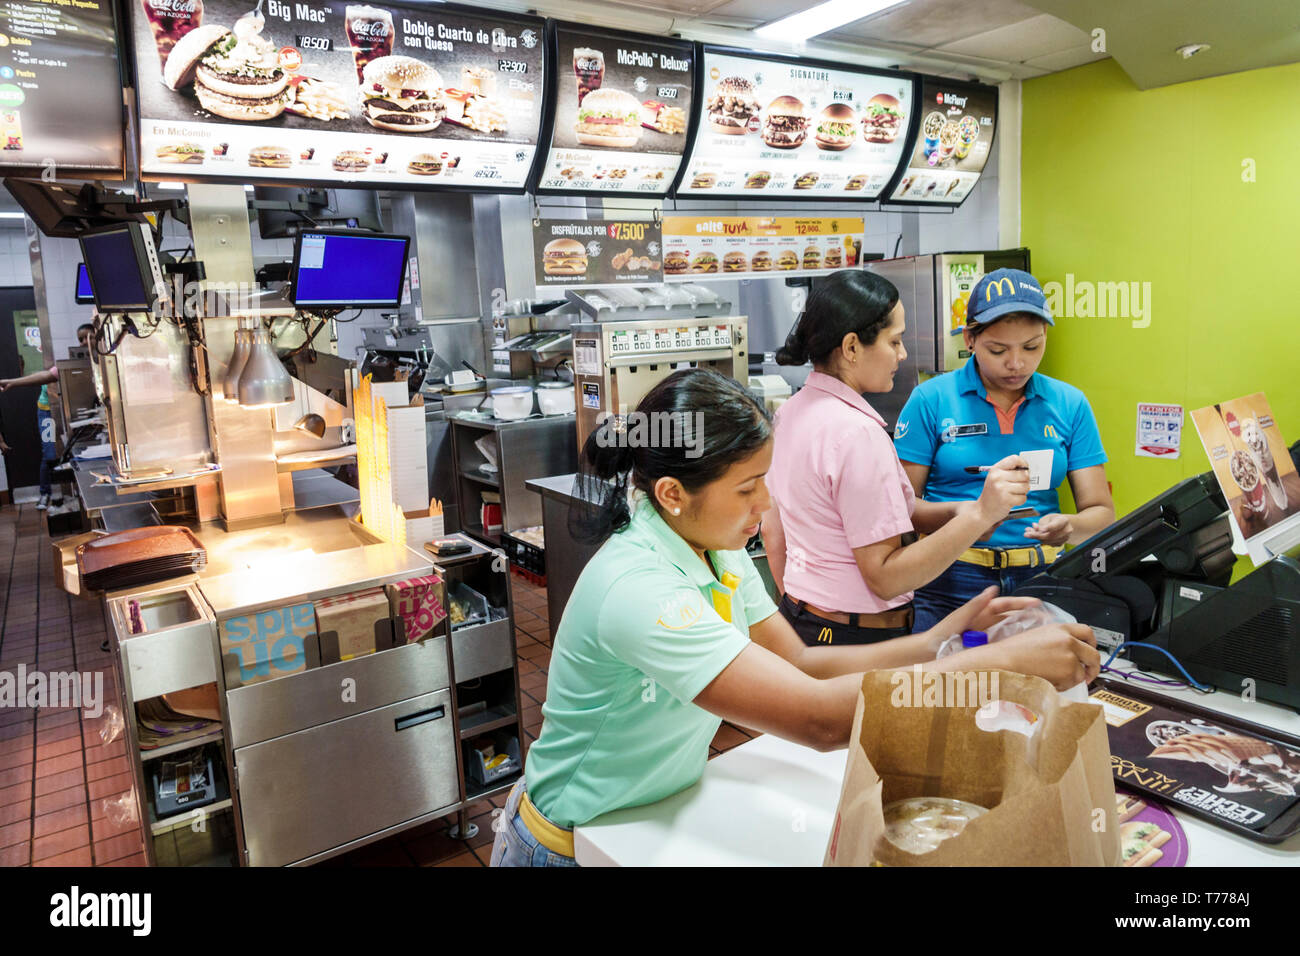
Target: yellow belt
[
  {"x": 1010, "y": 557},
  {"x": 556, "y": 839}
]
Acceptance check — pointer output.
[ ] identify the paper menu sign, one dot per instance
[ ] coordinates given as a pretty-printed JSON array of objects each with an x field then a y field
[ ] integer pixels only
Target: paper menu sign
[
  {"x": 730, "y": 247},
  {"x": 591, "y": 253},
  {"x": 630, "y": 137},
  {"x": 1159, "y": 430},
  {"x": 771, "y": 125},
  {"x": 1254, "y": 469}
]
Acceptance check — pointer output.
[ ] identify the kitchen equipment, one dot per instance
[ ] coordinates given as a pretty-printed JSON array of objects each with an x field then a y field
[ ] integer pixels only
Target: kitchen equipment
[
  {"x": 512, "y": 403},
  {"x": 555, "y": 398}
]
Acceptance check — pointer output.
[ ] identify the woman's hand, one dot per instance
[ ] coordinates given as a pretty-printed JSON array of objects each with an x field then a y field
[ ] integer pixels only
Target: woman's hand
[
  {"x": 1053, "y": 530},
  {"x": 1006, "y": 486},
  {"x": 979, "y": 614},
  {"x": 1064, "y": 654}
]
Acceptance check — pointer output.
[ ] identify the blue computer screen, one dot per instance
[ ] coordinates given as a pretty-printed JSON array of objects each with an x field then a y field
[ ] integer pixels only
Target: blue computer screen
[
  {"x": 115, "y": 272},
  {"x": 84, "y": 295},
  {"x": 356, "y": 271}
]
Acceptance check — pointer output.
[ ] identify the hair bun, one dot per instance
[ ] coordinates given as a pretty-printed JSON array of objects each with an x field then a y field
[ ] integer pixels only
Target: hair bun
[{"x": 795, "y": 349}]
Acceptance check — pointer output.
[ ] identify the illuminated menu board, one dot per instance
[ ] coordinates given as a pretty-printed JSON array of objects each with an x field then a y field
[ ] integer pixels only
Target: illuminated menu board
[
  {"x": 778, "y": 126},
  {"x": 622, "y": 104},
  {"x": 385, "y": 95},
  {"x": 954, "y": 134},
  {"x": 60, "y": 90}
]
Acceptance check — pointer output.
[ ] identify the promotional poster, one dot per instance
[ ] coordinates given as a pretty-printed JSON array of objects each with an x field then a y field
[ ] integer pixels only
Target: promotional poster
[
  {"x": 60, "y": 94},
  {"x": 958, "y": 121},
  {"x": 351, "y": 93},
  {"x": 597, "y": 252},
  {"x": 756, "y": 246},
  {"x": 622, "y": 103},
  {"x": 776, "y": 128}
]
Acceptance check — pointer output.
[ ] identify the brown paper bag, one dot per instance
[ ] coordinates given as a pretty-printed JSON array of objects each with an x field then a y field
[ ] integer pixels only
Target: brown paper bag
[{"x": 1051, "y": 798}]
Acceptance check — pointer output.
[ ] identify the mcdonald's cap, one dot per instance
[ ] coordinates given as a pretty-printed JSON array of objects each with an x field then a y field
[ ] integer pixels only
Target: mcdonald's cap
[{"x": 1004, "y": 291}]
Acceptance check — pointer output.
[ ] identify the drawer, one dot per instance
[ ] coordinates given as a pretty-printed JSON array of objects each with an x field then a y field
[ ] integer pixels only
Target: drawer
[
  {"x": 318, "y": 789},
  {"x": 482, "y": 649},
  {"x": 282, "y": 706},
  {"x": 173, "y": 649}
]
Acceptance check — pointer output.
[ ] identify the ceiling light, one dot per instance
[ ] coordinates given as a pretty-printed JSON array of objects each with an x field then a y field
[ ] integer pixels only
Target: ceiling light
[
  {"x": 1189, "y": 50},
  {"x": 823, "y": 18},
  {"x": 11, "y": 215}
]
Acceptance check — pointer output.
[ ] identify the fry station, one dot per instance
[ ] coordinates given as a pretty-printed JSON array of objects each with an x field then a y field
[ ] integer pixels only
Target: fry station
[{"x": 591, "y": 434}]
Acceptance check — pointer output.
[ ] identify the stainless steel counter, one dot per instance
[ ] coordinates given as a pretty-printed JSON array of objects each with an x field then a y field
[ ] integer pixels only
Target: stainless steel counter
[{"x": 565, "y": 557}]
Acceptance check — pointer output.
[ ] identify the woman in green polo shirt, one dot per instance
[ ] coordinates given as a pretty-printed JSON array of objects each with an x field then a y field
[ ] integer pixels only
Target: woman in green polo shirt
[{"x": 669, "y": 629}]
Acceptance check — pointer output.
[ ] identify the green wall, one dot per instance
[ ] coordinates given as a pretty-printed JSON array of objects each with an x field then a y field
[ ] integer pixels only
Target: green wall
[{"x": 1120, "y": 184}]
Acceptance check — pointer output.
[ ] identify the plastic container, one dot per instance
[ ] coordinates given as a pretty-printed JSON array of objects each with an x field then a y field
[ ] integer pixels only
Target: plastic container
[
  {"x": 512, "y": 403},
  {"x": 1017, "y": 623},
  {"x": 555, "y": 398},
  {"x": 919, "y": 824}
]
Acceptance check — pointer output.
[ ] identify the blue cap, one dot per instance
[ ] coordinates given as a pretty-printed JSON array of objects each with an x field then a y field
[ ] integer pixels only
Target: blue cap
[
  {"x": 974, "y": 638},
  {"x": 1004, "y": 291}
]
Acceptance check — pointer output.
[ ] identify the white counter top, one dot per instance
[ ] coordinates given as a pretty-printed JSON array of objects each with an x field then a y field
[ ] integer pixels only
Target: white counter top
[{"x": 769, "y": 802}]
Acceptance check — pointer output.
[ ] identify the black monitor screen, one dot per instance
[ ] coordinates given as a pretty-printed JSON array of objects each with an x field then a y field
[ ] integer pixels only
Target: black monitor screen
[
  {"x": 84, "y": 295},
  {"x": 117, "y": 275},
  {"x": 339, "y": 270}
]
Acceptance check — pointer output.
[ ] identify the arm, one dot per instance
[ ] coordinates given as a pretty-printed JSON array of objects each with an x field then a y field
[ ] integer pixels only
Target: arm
[
  {"x": 774, "y": 544},
  {"x": 1094, "y": 504},
  {"x": 36, "y": 378}
]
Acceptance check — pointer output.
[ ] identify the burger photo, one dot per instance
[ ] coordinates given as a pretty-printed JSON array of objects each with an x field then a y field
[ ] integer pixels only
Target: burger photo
[
  {"x": 835, "y": 127},
  {"x": 786, "y": 126},
  {"x": 610, "y": 118},
  {"x": 564, "y": 257},
  {"x": 855, "y": 183},
  {"x": 676, "y": 262},
  {"x": 703, "y": 181},
  {"x": 270, "y": 157},
  {"x": 834, "y": 258},
  {"x": 883, "y": 120},
  {"x": 758, "y": 180},
  {"x": 190, "y": 153},
  {"x": 762, "y": 261},
  {"x": 705, "y": 262},
  {"x": 735, "y": 262},
  {"x": 787, "y": 259},
  {"x": 812, "y": 258},
  {"x": 351, "y": 161},
  {"x": 424, "y": 164},
  {"x": 731, "y": 106},
  {"x": 402, "y": 94},
  {"x": 806, "y": 181},
  {"x": 234, "y": 77}
]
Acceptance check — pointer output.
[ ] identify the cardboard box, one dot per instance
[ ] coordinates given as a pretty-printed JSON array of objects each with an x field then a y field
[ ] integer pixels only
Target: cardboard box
[
  {"x": 268, "y": 644},
  {"x": 419, "y": 604},
  {"x": 353, "y": 625}
]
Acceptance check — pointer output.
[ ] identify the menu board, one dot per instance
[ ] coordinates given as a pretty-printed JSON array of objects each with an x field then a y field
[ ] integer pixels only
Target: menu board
[
  {"x": 953, "y": 139},
  {"x": 622, "y": 103},
  {"x": 386, "y": 95},
  {"x": 60, "y": 90},
  {"x": 730, "y": 247},
  {"x": 597, "y": 252},
  {"x": 774, "y": 126}
]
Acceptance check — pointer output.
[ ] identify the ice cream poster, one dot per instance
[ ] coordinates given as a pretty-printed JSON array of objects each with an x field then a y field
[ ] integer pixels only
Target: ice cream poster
[{"x": 1253, "y": 467}]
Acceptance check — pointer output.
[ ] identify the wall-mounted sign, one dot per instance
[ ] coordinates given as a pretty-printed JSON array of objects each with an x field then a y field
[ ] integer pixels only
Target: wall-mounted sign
[
  {"x": 953, "y": 138},
  {"x": 597, "y": 252},
  {"x": 388, "y": 95},
  {"x": 1159, "y": 430},
  {"x": 758, "y": 247}
]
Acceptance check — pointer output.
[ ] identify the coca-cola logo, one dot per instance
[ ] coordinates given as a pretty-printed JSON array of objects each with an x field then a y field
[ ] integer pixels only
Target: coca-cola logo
[
  {"x": 370, "y": 28},
  {"x": 174, "y": 6},
  {"x": 589, "y": 63}
]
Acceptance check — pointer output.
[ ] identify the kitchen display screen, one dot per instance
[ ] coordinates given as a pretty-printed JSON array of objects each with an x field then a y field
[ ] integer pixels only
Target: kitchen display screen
[
  {"x": 622, "y": 104},
  {"x": 796, "y": 129},
  {"x": 333, "y": 270},
  {"x": 385, "y": 95},
  {"x": 116, "y": 273},
  {"x": 953, "y": 139},
  {"x": 84, "y": 296},
  {"x": 60, "y": 90}
]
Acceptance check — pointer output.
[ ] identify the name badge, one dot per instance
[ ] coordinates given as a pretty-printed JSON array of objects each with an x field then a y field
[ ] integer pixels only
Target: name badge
[{"x": 961, "y": 431}]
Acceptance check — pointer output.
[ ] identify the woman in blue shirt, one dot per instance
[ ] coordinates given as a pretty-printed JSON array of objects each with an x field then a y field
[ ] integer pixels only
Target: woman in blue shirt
[{"x": 996, "y": 405}]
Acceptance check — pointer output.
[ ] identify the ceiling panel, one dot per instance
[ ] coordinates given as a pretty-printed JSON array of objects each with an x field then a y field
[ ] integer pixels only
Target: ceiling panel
[
  {"x": 1064, "y": 60},
  {"x": 931, "y": 23},
  {"x": 1016, "y": 42},
  {"x": 690, "y": 8}
]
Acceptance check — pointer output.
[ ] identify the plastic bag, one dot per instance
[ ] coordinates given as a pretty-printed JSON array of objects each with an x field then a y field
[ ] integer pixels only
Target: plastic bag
[
  {"x": 121, "y": 809},
  {"x": 111, "y": 725},
  {"x": 1017, "y": 622}
]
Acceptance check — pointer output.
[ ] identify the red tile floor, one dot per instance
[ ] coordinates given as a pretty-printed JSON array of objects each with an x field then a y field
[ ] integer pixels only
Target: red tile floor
[{"x": 58, "y": 779}]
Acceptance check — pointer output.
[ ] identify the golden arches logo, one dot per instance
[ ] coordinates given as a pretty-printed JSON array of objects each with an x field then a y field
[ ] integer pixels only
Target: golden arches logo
[
  {"x": 997, "y": 284},
  {"x": 1049, "y": 431},
  {"x": 825, "y": 635}
]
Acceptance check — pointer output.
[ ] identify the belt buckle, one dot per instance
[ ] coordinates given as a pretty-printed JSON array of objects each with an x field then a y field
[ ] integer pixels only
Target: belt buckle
[{"x": 999, "y": 559}]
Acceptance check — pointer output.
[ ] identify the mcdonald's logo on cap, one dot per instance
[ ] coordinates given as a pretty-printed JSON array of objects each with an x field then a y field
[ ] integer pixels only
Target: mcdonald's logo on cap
[
  {"x": 1010, "y": 288},
  {"x": 825, "y": 635}
]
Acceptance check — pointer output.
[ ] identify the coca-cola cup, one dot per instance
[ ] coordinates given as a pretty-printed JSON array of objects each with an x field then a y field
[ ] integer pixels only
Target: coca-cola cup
[
  {"x": 170, "y": 20},
  {"x": 589, "y": 69},
  {"x": 370, "y": 32}
]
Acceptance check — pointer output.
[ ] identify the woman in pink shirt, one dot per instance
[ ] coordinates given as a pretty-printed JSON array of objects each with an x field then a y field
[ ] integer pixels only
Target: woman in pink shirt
[{"x": 842, "y": 505}]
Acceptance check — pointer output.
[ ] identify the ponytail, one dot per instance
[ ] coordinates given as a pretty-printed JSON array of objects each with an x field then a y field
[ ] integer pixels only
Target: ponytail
[
  {"x": 600, "y": 506},
  {"x": 795, "y": 350}
]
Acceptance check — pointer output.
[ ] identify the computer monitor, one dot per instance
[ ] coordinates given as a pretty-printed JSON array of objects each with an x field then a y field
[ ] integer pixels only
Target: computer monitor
[
  {"x": 123, "y": 266},
  {"x": 321, "y": 209},
  {"x": 84, "y": 295},
  {"x": 337, "y": 269},
  {"x": 64, "y": 211}
]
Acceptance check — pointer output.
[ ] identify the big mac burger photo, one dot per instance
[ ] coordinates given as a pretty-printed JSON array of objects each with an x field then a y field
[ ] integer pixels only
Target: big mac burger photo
[
  {"x": 835, "y": 127},
  {"x": 786, "y": 125},
  {"x": 402, "y": 94},
  {"x": 610, "y": 118},
  {"x": 564, "y": 257},
  {"x": 234, "y": 77},
  {"x": 731, "y": 106},
  {"x": 882, "y": 120}
]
